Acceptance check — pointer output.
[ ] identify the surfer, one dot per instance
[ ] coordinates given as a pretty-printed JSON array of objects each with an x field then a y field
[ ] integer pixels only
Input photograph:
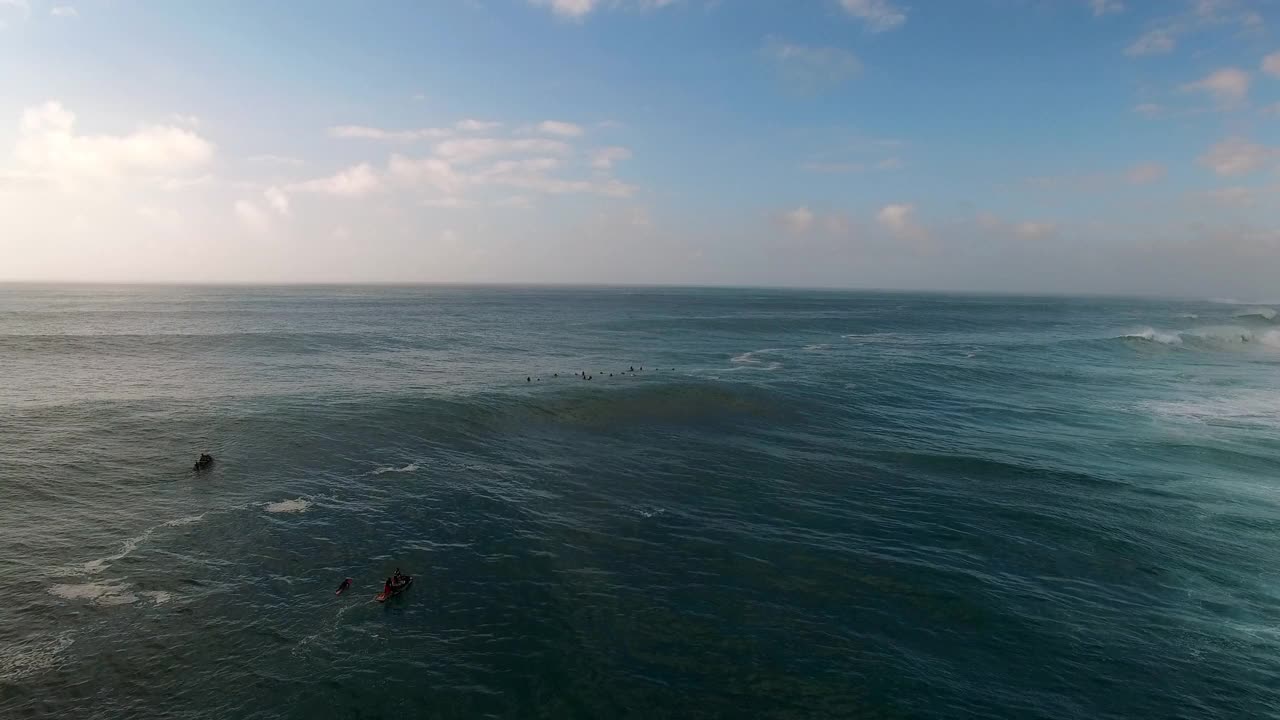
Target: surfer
[
  {"x": 204, "y": 463},
  {"x": 343, "y": 587}
]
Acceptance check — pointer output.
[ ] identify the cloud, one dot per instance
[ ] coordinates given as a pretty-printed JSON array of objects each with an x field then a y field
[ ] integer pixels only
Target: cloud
[
  {"x": 1149, "y": 109},
  {"x": 1153, "y": 42},
  {"x": 1146, "y": 173},
  {"x": 605, "y": 158},
  {"x": 1197, "y": 16},
  {"x": 799, "y": 220},
  {"x": 65, "y": 11},
  {"x": 1271, "y": 64},
  {"x": 430, "y": 172},
  {"x": 473, "y": 125},
  {"x": 470, "y": 150},
  {"x": 559, "y": 128},
  {"x": 811, "y": 69},
  {"x": 577, "y": 10},
  {"x": 1025, "y": 230},
  {"x": 1106, "y": 7},
  {"x": 1232, "y": 196},
  {"x": 900, "y": 221},
  {"x": 1237, "y": 156},
  {"x": 364, "y": 132},
  {"x": 277, "y": 200},
  {"x": 570, "y": 9},
  {"x": 1229, "y": 86},
  {"x": 353, "y": 182},
  {"x": 251, "y": 216},
  {"x": 275, "y": 160},
  {"x": 48, "y": 146},
  {"x": 879, "y": 15}
]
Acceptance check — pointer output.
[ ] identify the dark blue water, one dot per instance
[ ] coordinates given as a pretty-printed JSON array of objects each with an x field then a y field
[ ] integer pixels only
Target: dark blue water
[{"x": 807, "y": 504}]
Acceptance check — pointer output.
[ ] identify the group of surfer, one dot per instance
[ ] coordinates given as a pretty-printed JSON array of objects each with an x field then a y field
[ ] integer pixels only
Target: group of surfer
[
  {"x": 584, "y": 376},
  {"x": 204, "y": 463}
]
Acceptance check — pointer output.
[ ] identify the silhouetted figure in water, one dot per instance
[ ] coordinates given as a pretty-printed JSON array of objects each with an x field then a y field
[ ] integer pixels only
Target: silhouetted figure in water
[
  {"x": 528, "y": 379},
  {"x": 633, "y": 368},
  {"x": 204, "y": 463}
]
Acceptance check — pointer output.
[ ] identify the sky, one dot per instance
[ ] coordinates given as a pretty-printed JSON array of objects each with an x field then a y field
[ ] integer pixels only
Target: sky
[{"x": 1094, "y": 146}]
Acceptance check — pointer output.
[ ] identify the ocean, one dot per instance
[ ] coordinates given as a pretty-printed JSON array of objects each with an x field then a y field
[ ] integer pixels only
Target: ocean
[{"x": 801, "y": 504}]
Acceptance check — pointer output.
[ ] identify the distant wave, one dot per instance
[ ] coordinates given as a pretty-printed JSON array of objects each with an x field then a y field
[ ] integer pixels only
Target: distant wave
[
  {"x": 1267, "y": 315},
  {"x": 1208, "y": 338},
  {"x": 1152, "y": 335}
]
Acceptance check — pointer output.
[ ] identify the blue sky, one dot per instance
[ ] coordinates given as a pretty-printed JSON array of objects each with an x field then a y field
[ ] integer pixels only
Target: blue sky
[{"x": 1066, "y": 145}]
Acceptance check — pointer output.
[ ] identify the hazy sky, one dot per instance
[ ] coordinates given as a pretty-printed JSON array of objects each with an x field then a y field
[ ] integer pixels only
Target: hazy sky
[{"x": 1091, "y": 145}]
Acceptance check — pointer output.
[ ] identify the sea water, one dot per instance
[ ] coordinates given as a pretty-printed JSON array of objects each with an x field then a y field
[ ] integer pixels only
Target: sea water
[{"x": 806, "y": 504}]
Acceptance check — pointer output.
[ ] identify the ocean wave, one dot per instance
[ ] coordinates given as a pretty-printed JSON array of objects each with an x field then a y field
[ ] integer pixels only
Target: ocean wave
[
  {"x": 1208, "y": 338},
  {"x": 98, "y": 565},
  {"x": 1265, "y": 314},
  {"x": 1152, "y": 335},
  {"x": 297, "y": 505}
]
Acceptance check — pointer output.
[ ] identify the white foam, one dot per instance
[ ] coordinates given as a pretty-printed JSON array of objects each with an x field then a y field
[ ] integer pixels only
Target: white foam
[
  {"x": 816, "y": 348},
  {"x": 96, "y": 593},
  {"x": 297, "y": 505},
  {"x": 1261, "y": 408},
  {"x": 94, "y": 567},
  {"x": 26, "y": 657},
  {"x": 751, "y": 360},
  {"x": 1152, "y": 335},
  {"x": 188, "y": 520},
  {"x": 411, "y": 467},
  {"x": 159, "y": 597}
]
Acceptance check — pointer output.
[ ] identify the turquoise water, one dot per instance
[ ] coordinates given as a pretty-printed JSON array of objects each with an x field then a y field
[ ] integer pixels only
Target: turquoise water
[{"x": 807, "y": 504}]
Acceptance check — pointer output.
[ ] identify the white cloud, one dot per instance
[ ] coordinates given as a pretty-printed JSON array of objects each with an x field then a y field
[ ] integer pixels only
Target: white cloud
[
  {"x": 353, "y": 182},
  {"x": 571, "y": 9},
  {"x": 1149, "y": 109},
  {"x": 1228, "y": 86},
  {"x": 605, "y": 158},
  {"x": 66, "y": 12},
  {"x": 362, "y": 132},
  {"x": 899, "y": 219},
  {"x": 879, "y": 15},
  {"x": 578, "y": 9},
  {"x": 429, "y": 172},
  {"x": 276, "y": 160},
  {"x": 1237, "y": 156},
  {"x": 1146, "y": 173},
  {"x": 1106, "y": 7},
  {"x": 799, "y": 220},
  {"x": 465, "y": 151},
  {"x": 251, "y": 216},
  {"x": 1154, "y": 42},
  {"x": 277, "y": 200},
  {"x": 810, "y": 69},
  {"x": 48, "y": 146},
  {"x": 473, "y": 125},
  {"x": 1232, "y": 196},
  {"x": 1025, "y": 230},
  {"x": 1271, "y": 64},
  {"x": 560, "y": 128},
  {"x": 21, "y": 6}
]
